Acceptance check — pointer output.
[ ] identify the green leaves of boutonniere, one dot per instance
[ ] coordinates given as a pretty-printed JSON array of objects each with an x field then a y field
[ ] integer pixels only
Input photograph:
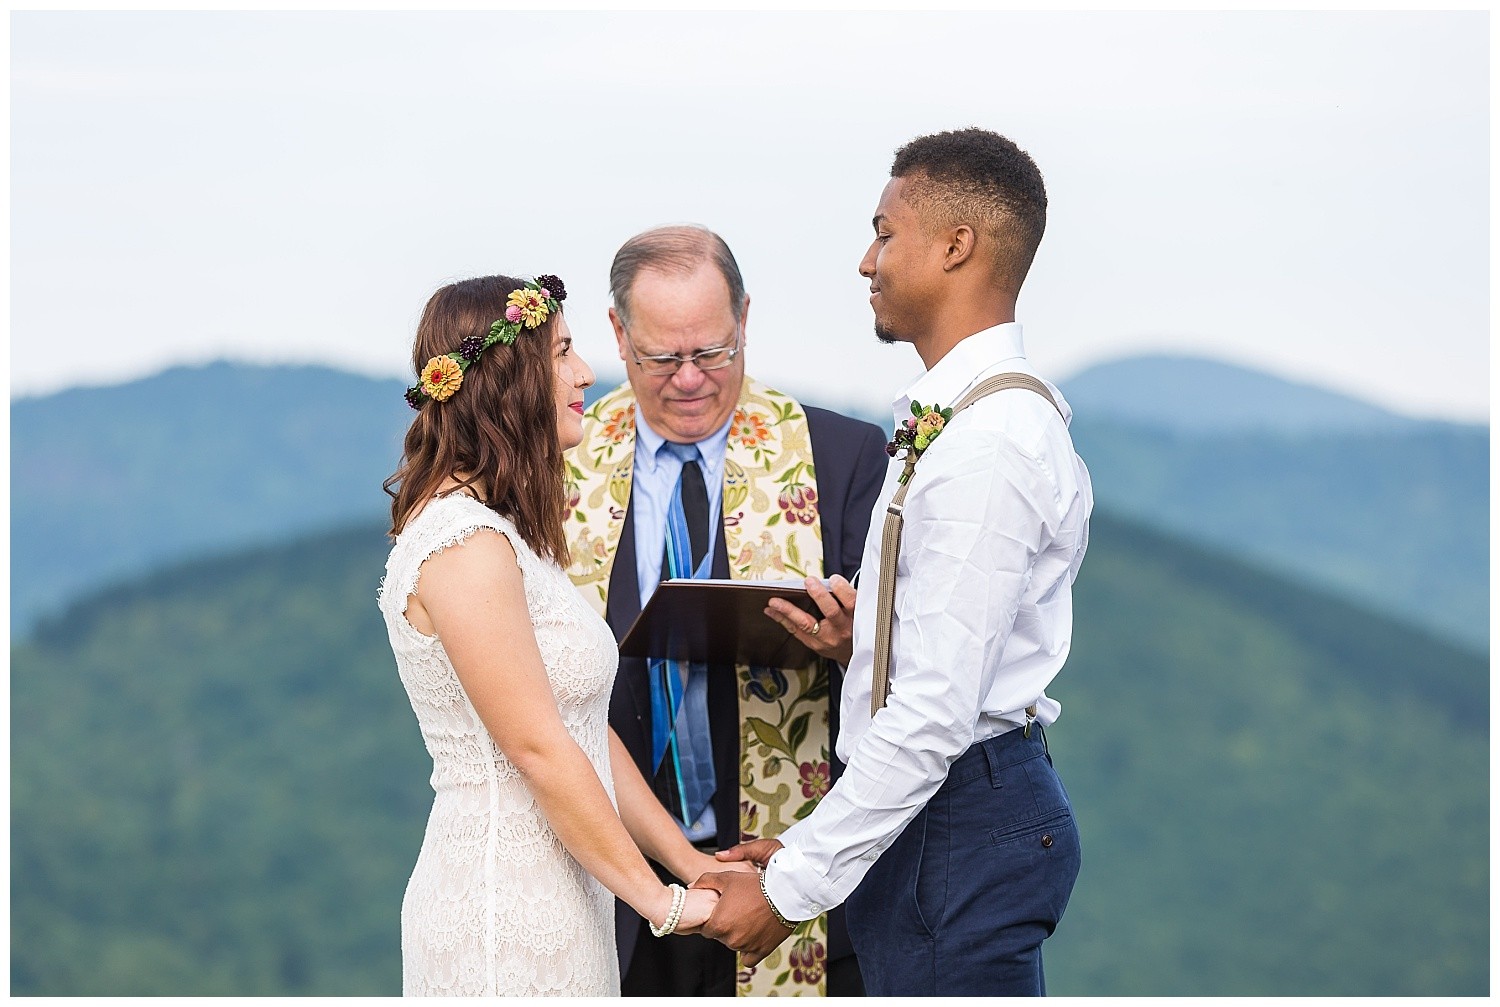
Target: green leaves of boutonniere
[{"x": 913, "y": 436}]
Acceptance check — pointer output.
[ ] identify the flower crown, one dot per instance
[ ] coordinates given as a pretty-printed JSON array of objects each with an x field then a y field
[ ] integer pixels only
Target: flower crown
[{"x": 526, "y": 308}]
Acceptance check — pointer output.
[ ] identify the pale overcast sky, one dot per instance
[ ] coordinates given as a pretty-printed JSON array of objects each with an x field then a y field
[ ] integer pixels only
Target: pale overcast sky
[{"x": 1305, "y": 193}]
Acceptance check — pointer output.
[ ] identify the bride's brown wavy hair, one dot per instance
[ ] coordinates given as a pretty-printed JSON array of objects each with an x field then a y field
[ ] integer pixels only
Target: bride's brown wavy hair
[{"x": 498, "y": 433}]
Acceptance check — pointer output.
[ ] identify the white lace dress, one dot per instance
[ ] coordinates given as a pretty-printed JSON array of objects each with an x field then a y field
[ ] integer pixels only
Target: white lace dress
[{"x": 496, "y": 905}]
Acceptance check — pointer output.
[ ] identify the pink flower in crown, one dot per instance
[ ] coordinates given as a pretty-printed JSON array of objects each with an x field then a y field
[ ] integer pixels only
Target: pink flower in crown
[
  {"x": 800, "y": 503},
  {"x": 814, "y": 779},
  {"x": 808, "y": 959},
  {"x": 513, "y": 313}
]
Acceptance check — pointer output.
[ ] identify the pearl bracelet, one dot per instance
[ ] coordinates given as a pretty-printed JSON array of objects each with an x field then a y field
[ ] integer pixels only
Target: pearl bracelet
[
  {"x": 774, "y": 911},
  {"x": 679, "y": 899}
]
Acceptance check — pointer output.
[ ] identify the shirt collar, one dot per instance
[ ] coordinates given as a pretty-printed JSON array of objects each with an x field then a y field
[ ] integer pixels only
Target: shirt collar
[
  {"x": 649, "y": 443},
  {"x": 961, "y": 366}
]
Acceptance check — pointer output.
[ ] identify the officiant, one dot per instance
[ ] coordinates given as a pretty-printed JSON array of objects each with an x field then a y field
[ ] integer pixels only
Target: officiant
[{"x": 693, "y": 469}]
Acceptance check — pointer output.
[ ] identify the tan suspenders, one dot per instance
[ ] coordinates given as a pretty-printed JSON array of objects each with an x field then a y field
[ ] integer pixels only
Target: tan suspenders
[{"x": 890, "y": 538}]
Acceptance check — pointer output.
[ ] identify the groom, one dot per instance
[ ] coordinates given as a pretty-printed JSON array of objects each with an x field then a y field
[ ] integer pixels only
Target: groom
[{"x": 949, "y": 835}]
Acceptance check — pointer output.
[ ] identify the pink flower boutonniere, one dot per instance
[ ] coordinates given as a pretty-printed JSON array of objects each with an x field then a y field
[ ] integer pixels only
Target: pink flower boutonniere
[{"x": 914, "y": 435}]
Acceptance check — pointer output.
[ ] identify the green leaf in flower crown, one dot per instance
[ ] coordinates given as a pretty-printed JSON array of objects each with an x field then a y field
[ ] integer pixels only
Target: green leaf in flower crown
[{"x": 916, "y": 409}]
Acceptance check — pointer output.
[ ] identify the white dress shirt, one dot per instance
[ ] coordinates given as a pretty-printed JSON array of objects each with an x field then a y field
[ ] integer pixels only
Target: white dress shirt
[{"x": 996, "y": 524}]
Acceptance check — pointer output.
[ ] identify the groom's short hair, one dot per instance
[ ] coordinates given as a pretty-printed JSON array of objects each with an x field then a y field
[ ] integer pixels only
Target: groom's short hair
[{"x": 976, "y": 177}]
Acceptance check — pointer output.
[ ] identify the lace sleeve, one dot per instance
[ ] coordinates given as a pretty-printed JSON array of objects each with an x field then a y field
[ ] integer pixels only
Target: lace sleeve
[{"x": 445, "y": 522}]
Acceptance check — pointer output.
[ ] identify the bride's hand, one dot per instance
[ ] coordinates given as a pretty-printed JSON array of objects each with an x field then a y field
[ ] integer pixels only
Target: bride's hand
[{"x": 696, "y": 910}]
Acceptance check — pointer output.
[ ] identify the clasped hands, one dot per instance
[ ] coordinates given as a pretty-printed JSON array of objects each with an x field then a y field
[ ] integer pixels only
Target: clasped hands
[{"x": 741, "y": 919}]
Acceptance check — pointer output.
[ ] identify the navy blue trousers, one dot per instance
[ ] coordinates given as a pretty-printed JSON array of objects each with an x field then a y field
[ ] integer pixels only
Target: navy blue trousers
[{"x": 960, "y": 903}]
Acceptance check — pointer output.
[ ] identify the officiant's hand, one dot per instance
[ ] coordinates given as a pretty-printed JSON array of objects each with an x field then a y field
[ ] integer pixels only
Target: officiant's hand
[
  {"x": 742, "y": 920},
  {"x": 831, "y": 636}
]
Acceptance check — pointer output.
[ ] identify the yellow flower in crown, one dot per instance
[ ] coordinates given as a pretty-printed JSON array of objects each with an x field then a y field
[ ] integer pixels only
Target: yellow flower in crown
[
  {"x": 441, "y": 378},
  {"x": 530, "y": 307}
]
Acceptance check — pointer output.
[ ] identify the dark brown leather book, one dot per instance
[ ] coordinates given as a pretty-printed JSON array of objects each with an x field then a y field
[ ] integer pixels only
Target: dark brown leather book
[{"x": 719, "y": 622}]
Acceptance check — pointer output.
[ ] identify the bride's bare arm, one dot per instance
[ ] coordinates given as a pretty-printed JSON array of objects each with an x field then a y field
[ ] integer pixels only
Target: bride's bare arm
[
  {"x": 652, "y": 827},
  {"x": 474, "y": 599}
]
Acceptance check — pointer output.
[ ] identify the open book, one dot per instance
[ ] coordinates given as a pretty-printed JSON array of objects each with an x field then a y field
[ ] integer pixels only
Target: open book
[{"x": 719, "y": 622}]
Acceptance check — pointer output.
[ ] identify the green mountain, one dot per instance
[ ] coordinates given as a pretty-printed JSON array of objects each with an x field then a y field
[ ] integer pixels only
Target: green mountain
[
  {"x": 1397, "y": 520},
  {"x": 1199, "y": 396},
  {"x": 217, "y": 785},
  {"x": 110, "y": 483}
]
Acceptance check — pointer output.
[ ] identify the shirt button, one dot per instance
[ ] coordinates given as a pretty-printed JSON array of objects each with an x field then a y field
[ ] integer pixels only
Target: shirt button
[{"x": 1047, "y": 840}]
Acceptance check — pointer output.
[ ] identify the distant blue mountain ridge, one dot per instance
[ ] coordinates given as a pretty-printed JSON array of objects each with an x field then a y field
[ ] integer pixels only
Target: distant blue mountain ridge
[
  {"x": 1199, "y": 396},
  {"x": 108, "y": 483}
]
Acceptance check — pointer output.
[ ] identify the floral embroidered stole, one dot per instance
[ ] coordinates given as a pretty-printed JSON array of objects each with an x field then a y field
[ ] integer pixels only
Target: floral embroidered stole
[{"x": 771, "y": 531}]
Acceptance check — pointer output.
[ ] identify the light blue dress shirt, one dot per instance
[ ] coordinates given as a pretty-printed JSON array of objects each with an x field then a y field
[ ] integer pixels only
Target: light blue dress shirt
[{"x": 652, "y": 484}]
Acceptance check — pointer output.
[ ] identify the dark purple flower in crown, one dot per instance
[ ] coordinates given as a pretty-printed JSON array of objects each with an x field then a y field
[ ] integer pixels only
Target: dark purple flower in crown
[
  {"x": 414, "y": 397},
  {"x": 471, "y": 347},
  {"x": 554, "y": 287}
]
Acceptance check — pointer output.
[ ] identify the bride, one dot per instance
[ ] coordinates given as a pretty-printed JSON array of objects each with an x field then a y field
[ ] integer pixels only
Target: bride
[{"x": 509, "y": 672}]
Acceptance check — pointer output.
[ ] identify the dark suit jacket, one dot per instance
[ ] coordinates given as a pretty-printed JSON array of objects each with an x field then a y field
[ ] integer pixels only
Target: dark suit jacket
[{"x": 850, "y": 460}]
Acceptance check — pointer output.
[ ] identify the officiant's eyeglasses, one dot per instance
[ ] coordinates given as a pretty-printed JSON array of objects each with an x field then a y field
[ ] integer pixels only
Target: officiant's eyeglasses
[{"x": 711, "y": 359}]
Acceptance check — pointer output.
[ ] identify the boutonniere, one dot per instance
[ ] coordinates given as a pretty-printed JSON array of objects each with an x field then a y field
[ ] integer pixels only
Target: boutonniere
[{"x": 914, "y": 435}]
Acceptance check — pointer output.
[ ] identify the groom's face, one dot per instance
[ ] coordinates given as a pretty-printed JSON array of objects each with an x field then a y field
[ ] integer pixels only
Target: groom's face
[
  {"x": 904, "y": 267},
  {"x": 683, "y": 314}
]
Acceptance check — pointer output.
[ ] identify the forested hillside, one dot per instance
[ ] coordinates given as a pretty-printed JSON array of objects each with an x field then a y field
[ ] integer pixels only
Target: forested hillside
[
  {"x": 1397, "y": 520},
  {"x": 218, "y": 788}
]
